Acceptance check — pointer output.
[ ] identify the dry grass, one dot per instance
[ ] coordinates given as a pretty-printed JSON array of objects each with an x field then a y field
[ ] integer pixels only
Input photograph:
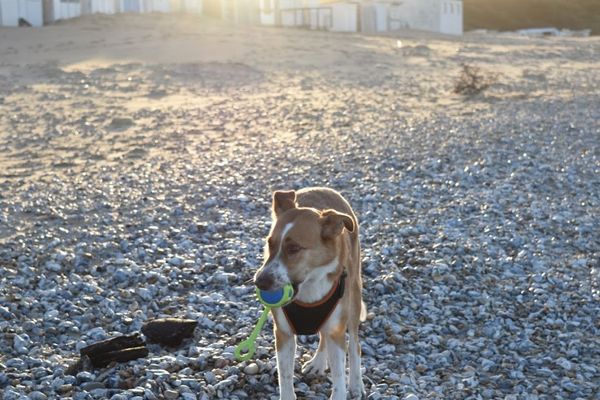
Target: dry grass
[
  {"x": 473, "y": 80},
  {"x": 519, "y": 14}
]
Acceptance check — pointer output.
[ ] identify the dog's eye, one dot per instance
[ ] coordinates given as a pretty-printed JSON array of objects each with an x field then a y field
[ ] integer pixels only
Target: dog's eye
[{"x": 292, "y": 248}]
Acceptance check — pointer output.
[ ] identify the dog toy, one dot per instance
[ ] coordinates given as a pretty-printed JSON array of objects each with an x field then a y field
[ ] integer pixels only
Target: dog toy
[{"x": 270, "y": 299}]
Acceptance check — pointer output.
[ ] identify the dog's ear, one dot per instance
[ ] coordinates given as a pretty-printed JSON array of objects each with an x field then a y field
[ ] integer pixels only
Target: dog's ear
[
  {"x": 283, "y": 201},
  {"x": 333, "y": 223}
]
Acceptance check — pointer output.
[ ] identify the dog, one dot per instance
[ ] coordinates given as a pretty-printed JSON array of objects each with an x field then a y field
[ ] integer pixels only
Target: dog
[{"x": 314, "y": 245}]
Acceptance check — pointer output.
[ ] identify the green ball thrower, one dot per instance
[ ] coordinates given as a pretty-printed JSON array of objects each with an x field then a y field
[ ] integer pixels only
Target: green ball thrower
[{"x": 270, "y": 299}]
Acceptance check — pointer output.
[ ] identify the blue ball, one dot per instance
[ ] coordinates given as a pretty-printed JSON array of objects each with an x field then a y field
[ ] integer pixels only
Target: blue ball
[{"x": 271, "y": 296}]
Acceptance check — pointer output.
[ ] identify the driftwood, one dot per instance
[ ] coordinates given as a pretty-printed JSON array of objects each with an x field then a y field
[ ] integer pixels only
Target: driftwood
[
  {"x": 100, "y": 354},
  {"x": 124, "y": 355},
  {"x": 169, "y": 331},
  {"x": 166, "y": 331},
  {"x": 111, "y": 345}
]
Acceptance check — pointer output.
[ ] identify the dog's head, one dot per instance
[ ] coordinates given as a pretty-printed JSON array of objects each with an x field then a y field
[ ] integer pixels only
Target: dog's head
[{"x": 301, "y": 241}]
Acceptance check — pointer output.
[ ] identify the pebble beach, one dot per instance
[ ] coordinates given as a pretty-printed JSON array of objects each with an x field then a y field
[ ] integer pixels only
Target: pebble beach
[{"x": 138, "y": 154}]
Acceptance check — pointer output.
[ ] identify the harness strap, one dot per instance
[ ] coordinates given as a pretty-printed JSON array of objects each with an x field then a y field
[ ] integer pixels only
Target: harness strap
[{"x": 307, "y": 318}]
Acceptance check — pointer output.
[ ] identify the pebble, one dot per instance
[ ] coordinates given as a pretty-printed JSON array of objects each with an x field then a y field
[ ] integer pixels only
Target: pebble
[
  {"x": 176, "y": 261},
  {"x": 5, "y": 313},
  {"x": 37, "y": 395},
  {"x": 149, "y": 395},
  {"x": 99, "y": 393},
  {"x": 53, "y": 266},
  {"x": 89, "y": 386},
  {"x": 22, "y": 343},
  {"x": 209, "y": 376},
  {"x": 171, "y": 394},
  {"x": 85, "y": 376},
  {"x": 251, "y": 369},
  {"x": 564, "y": 363}
]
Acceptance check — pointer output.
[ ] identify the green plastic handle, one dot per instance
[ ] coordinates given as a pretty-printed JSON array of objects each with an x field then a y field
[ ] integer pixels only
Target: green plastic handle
[{"x": 245, "y": 350}]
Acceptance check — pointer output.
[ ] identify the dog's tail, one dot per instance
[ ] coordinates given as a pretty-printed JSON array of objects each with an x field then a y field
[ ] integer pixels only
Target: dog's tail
[{"x": 363, "y": 311}]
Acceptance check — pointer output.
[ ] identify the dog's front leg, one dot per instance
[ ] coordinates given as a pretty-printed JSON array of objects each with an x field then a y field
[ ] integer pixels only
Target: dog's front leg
[
  {"x": 357, "y": 388},
  {"x": 336, "y": 350},
  {"x": 286, "y": 352}
]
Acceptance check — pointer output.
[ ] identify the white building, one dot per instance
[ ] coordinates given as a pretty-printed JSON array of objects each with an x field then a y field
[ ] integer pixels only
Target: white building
[
  {"x": 99, "y": 6},
  {"x": 145, "y": 5},
  {"x": 443, "y": 16},
  {"x": 38, "y": 12},
  {"x": 30, "y": 10},
  {"x": 331, "y": 15},
  {"x": 370, "y": 16},
  {"x": 41, "y": 12},
  {"x": 241, "y": 11},
  {"x": 65, "y": 9},
  {"x": 190, "y": 6}
]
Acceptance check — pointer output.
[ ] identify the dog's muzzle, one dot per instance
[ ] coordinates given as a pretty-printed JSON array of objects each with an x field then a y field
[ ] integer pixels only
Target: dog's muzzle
[
  {"x": 264, "y": 281},
  {"x": 272, "y": 276}
]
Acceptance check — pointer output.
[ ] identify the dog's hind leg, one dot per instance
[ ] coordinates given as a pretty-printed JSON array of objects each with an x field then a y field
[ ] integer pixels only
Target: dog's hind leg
[
  {"x": 318, "y": 364},
  {"x": 286, "y": 351}
]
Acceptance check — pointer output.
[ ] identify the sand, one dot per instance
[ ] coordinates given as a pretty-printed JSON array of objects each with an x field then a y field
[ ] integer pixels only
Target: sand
[{"x": 61, "y": 86}]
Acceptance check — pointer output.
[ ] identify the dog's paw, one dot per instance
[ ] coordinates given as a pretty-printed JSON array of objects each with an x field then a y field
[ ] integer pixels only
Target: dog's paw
[
  {"x": 288, "y": 396},
  {"x": 357, "y": 391},
  {"x": 338, "y": 395},
  {"x": 316, "y": 366}
]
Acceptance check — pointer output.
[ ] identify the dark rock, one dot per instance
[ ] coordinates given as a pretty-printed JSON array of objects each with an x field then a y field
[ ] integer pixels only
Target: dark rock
[{"x": 169, "y": 331}]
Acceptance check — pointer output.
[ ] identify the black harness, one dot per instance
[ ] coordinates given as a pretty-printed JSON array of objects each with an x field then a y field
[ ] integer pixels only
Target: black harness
[{"x": 307, "y": 318}]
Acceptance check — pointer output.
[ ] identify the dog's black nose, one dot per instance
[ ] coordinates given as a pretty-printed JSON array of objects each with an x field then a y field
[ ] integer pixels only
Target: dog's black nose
[{"x": 264, "y": 281}]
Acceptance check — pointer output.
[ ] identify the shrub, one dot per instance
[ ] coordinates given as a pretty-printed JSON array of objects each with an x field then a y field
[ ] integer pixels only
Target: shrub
[{"x": 473, "y": 80}]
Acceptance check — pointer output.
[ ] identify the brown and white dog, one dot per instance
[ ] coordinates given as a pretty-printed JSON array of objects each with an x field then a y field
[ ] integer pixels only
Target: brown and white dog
[{"x": 314, "y": 245}]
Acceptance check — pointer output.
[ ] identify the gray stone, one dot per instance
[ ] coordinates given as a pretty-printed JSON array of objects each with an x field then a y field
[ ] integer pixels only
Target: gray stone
[
  {"x": 85, "y": 376},
  {"x": 37, "y": 395},
  {"x": 89, "y": 386},
  {"x": 53, "y": 266},
  {"x": 171, "y": 394},
  {"x": 149, "y": 395},
  {"x": 22, "y": 343},
  {"x": 251, "y": 369}
]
